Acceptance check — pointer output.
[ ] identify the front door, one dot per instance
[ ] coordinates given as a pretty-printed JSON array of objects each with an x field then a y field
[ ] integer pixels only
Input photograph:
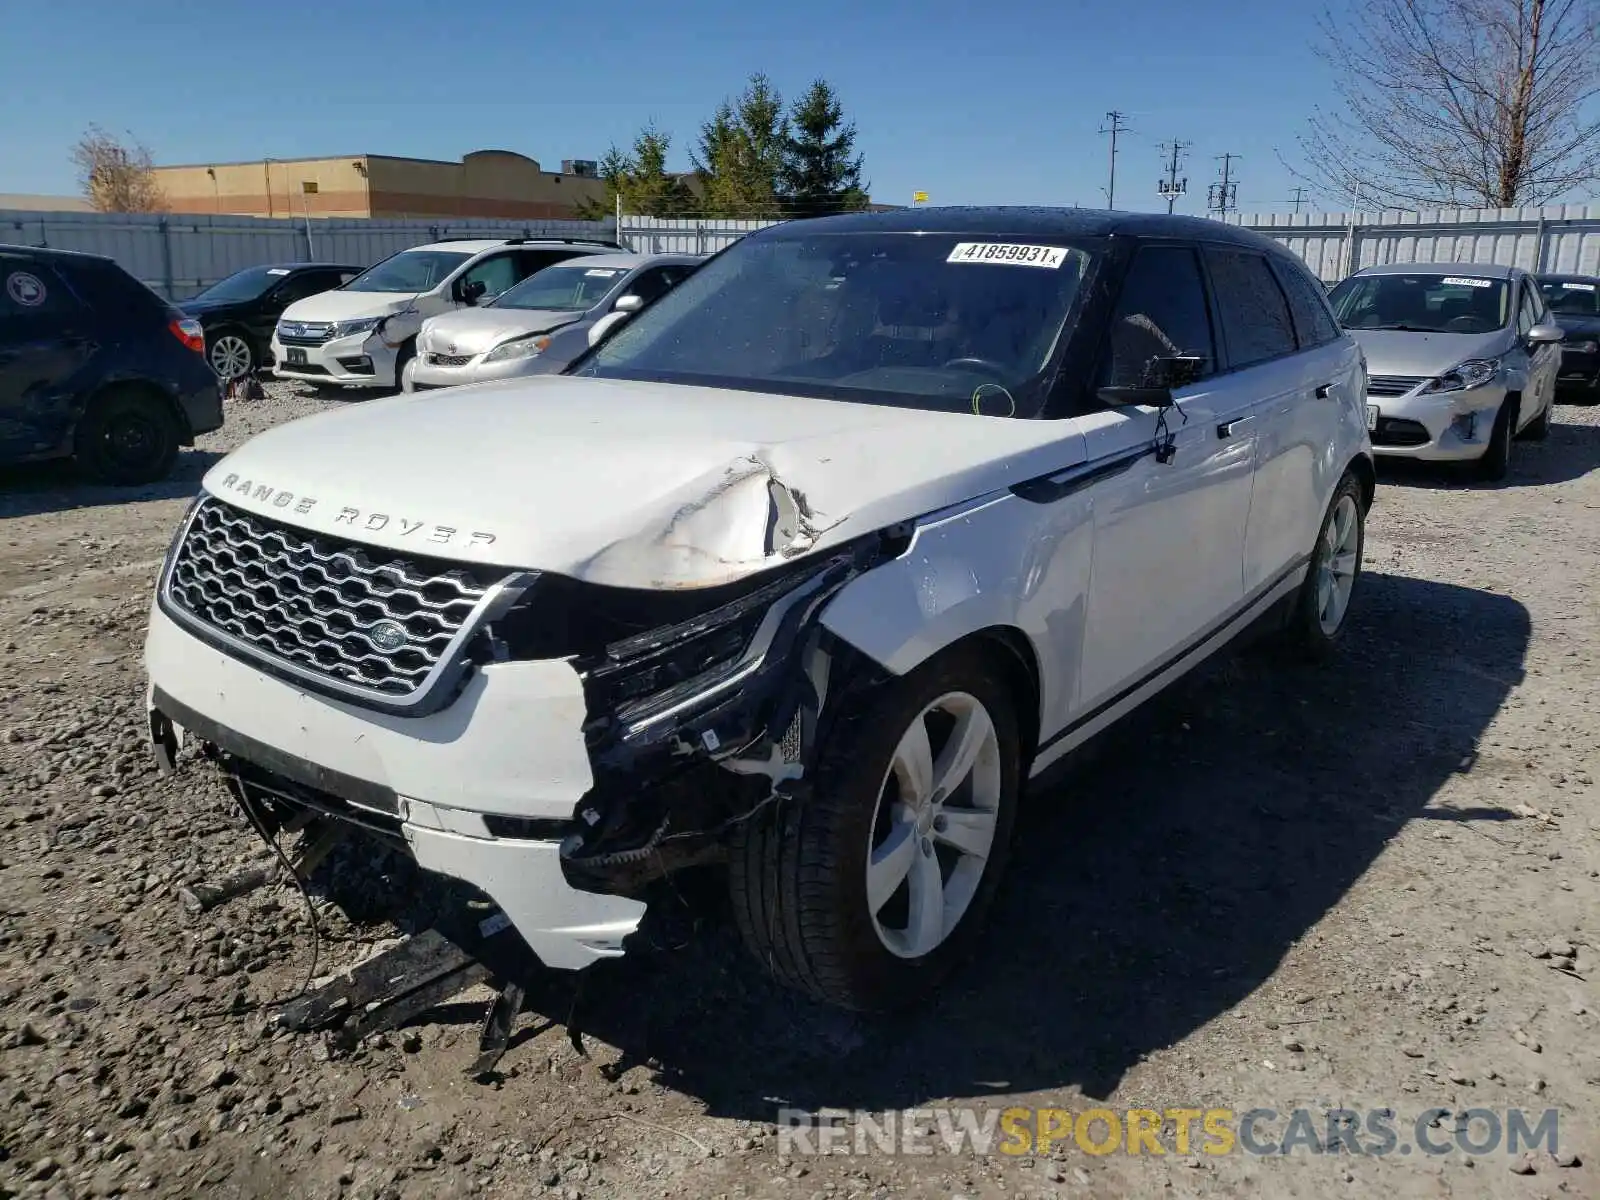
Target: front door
[{"x": 1169, "y": 524}]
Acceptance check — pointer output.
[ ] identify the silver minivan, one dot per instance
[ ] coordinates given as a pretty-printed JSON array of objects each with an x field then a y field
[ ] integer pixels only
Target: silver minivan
[{"x": 1462, "y": 358}]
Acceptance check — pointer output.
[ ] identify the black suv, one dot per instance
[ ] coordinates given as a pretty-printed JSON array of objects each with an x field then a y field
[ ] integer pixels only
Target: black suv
[
  {"x": 239, "y": 313},
  {"x": 96, "y": 367}
]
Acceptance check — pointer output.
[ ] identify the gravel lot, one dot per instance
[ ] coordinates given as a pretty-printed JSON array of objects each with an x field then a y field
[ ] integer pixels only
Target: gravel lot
[{"x": 1374, "y": 884}]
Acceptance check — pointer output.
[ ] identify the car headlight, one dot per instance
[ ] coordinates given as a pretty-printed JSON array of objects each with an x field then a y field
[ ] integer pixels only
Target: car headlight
[
  {"x": 523, "y": 347},
  {"x": 350, "y": 328},
  {"x": 1475, "y": 372}
]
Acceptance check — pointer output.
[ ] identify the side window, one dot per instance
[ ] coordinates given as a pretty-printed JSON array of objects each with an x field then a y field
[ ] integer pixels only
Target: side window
[
  {"x": 1255, "y": 315},
  {"x": 1160, "y": 314},
  {"x": 496, "y": 273},
  {"x": 1527, "y": 309},
  {"x": 648, "y": 285},
  {"x": 343, "y": 278},
  {"x": 300, "y": 286},
  {"x": 531, "y": 262},
  {"x": 1308, "y": 304},
  {"x": 33, "y": 289}
]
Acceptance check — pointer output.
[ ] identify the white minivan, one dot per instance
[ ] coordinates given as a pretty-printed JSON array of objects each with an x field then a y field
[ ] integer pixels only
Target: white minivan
[
  {"x": 362, "y": 334},
  {"x": 801, "y": 574}
]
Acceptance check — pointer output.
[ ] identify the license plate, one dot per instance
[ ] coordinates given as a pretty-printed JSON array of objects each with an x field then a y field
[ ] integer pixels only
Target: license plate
[
  {"x": 1372, "y": 416},
  {"x": 294, "y": 357}
]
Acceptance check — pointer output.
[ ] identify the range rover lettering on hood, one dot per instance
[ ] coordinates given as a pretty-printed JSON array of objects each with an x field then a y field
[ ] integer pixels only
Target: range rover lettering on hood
[{"x": 374, "y": 522}]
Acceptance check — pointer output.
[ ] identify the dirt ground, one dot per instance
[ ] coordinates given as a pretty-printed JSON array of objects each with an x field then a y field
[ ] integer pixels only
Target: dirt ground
[{"x": 1370, "y": 885}]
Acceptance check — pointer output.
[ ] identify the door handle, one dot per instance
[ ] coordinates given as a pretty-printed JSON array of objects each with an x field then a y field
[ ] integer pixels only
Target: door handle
[
  {"x": 1229, "y": 428},
  {"x": 1324, "y": 390}
]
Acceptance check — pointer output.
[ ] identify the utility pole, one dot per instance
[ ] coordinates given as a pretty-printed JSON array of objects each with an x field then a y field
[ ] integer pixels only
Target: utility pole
[
  {"x": 1298, "y": 199},
  {"x": 1222, "y": 197},
  {"x": 1114, "y": 126},
  {"x": 1172, "y": 187}
]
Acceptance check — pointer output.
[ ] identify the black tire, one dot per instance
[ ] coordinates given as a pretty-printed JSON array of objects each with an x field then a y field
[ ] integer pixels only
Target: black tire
[
  {"x": 1307, "y": 632},
  {"x": 797, "y": 872},
  {"x": 1539, "y": 428},
  {"x": 219, "y": 341},
  {"x": 127, "y": 436},
  {"x": 407, "y": 352},
  {"x": 1495, "y": 464}
]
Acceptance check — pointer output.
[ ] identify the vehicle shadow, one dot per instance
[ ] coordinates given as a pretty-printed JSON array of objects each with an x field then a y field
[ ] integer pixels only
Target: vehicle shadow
[
  {"x": 1150, "y": 893},
  {"x": 34, "y": 488},
  {"x": 1570, "y": 452}
]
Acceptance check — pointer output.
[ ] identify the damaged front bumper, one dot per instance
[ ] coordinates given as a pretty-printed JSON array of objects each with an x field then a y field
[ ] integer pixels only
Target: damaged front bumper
[{"x": 559, "y": 787}]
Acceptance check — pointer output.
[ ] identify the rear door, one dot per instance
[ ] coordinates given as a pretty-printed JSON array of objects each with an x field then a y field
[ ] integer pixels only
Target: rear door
[
  {"x": 47, "y": 339},
  {"x": 1265, "y": 364}
]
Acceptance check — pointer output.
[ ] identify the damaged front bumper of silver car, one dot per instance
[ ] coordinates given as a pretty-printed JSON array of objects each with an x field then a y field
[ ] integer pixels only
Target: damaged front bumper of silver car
[{"x": 577, "y": 742}]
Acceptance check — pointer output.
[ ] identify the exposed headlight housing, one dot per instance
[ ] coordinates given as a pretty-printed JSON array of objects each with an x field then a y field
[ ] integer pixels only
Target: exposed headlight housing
[
  {"x": 343, "y": 329},
  {"x": 530, "y": 346},
  {"x": 1475, "y": 372}
]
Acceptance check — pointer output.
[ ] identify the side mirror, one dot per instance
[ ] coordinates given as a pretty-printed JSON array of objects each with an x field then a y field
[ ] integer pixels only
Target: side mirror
[
  {"x": 602, "y": 328},
  {"x": 1546, "y": 334},
  {"x": 472, "y": 291},
  {"x": 628, "y": 304},
  {"x": 1162, "y": 376}
]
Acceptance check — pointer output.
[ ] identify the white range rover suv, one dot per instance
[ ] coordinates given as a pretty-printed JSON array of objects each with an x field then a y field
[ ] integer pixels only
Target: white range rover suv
[
  {"x": 364, "y": 333},
  {"x": 805, "y": 572}
]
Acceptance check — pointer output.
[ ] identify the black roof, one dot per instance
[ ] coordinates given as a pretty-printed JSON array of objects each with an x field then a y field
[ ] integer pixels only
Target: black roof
[
  {"x": 1020, "y": 221},
  {"x": 50, "y": 251},
  {"x": 1566, "y": 276}
]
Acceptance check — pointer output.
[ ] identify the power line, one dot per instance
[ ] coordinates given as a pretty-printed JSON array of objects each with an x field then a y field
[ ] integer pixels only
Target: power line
[
  {"x": 1172, "y": 187},
  {"x": 1298, "y": 199},
  {"x": 1223, "y": 196},
  {"x": 1114, "y": 127}
]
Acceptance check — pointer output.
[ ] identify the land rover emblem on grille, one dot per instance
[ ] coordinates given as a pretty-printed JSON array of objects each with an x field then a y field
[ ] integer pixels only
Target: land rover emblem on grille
[{"x": 387, "y": 636}]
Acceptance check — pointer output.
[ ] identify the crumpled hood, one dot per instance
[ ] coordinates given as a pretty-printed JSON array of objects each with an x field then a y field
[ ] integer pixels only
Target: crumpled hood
[
  {"x": 346, "y": 306},
  {"x": 474, "y": 330},
  {"x": 1395, "y": 352},
  {"x": 622, "y": 483}
]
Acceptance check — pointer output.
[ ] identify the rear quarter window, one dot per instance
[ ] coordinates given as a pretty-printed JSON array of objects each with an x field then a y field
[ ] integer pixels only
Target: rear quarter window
[
  {"x": 116, "y": 295},
  {"x": 1314, "y": 321}
]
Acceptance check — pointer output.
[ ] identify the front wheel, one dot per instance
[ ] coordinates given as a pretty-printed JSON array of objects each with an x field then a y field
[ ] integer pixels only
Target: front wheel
[
  {"x": 1495, "y": 464},
  {"x": 408, "y": 375},
  {"x": 868, "y": 891},
  {"x": 1539, "y": 428},
  {"x": 1323, "y": 602},
  {"x": 127, "y": 436}
]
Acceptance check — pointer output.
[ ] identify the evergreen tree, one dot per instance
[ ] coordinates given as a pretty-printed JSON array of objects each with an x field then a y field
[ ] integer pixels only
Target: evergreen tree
[
  {"x": 821, "y": 172},
  {"x": 641, "y": 178},
  {"x": 741, "y": 154}
]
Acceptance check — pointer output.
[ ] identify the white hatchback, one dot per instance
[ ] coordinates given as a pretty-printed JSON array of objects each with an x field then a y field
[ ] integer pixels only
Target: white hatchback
[{"x": 804, "y": 571}]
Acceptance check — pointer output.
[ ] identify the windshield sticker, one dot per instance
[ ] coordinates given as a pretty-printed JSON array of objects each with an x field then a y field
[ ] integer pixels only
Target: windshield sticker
[
  {"x": 1463, "y": 281},
  {"x": 27, "y": 290},
  {"x": 1008, "y": 254},
  {"x": 277, "y": 270},
  {"x": 603, "y": 273},
  {"x": 1577, "y": 287}
]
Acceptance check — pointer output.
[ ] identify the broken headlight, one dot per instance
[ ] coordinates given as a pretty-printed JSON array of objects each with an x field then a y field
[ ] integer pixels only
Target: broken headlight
[{"x": 653, "y": 675}]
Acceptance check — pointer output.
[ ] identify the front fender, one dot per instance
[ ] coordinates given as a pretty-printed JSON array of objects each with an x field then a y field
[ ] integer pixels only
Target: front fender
[{"x": 1000, "y": 562}]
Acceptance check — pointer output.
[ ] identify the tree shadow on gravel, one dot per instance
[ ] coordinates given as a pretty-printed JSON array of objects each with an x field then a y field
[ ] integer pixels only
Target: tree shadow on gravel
[
  {"x": 1150, "y": 892},
  {"x": 31, "y": 489},
  {"x": 1570, "y": 452}
]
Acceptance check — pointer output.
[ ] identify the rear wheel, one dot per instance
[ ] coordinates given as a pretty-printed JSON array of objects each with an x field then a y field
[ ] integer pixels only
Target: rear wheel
[
  {"x": 1495, "y": 464},
  {"x": 1318, "y": 618},
  {"x": 128, "y": 436},
  {"x": 230, "y": 354},
  {"x": 868, "y": 891}
]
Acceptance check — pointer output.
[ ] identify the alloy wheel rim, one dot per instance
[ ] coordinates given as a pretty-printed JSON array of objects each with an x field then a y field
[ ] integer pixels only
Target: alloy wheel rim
[
  {"x": 1337, "y": 565},
  {"x": 934, "y": 826},
  {"x": 230, "y": 357}
]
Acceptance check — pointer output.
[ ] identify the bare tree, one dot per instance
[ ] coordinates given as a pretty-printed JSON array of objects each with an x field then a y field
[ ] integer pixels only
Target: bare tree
[
  {"x": 116, "y": 177},
  {"x": 1476, "y": 103}
]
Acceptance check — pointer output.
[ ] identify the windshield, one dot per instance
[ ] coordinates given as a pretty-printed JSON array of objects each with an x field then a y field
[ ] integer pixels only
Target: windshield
[
  {"x": 247, "y": 284},
  {"x": 934, "y": 321},
  {"x": 1424, "y": 303},
  {"x": 1577, "y": 297},
  {"x": 563, "y": 288},
  {"x": 409, "y": 271}
]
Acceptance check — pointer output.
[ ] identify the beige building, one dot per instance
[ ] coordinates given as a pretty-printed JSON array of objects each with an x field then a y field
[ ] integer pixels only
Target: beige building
[{"x": 486, "y": 183}]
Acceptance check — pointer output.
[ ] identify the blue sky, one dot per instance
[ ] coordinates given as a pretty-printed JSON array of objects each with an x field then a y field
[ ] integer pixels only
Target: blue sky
[{"x": 998, "y": 102}]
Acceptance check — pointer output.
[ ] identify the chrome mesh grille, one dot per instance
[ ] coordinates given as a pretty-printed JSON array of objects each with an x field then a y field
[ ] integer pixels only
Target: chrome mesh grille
[
  {"x": 352, "y": 614},
  {"x": 1392, "y": 385}
]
